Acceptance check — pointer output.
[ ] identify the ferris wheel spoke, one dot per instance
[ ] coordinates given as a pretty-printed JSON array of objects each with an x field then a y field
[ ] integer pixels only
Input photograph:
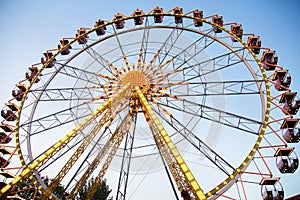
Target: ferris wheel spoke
[
  {"x": 106, "y": 118},
  {"x": 144, "y": 44},
  {"x": 122, "y": 50},
  {"x": 116, "y": 140},
  {"x": 65, "y": 94},
  {"x": 102, "y": 62},
  {"x": 61, "y": 155},
  {"x": 126, "y": 161},
  {"x": 219, "y": 62},
  {"x": 166, "y": 48},
  {"x": 221, "y": 88},
  {"x": 198, "y": 144},
  {"x": 215, "y": 64},
  {"x": 197, "y": 47},
  {"x": 179, "y": 169},
  {"x": 215, "y": 115},
  {"x": 85, "y": 163},
  {"x": 168, "y": 173},
  {"x": 80, "y": 74},
  {"x": 123, "y": 93},
  {"x": 176, "y": 59},
  {"x": 51, "y": 121}
]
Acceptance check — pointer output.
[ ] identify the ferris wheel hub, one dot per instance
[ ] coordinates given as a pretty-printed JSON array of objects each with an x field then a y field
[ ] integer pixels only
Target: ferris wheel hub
[{"x": 136, "y": 78}]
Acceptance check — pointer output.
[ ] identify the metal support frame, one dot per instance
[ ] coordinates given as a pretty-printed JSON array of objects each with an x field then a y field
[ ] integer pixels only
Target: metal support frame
[
  {"x": 66, "y": 139},
  {"x": 181, "y": 173}
]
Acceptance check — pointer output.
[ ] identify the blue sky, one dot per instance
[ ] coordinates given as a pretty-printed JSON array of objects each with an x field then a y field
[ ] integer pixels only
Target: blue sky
[{"x": 28, "y": 28}]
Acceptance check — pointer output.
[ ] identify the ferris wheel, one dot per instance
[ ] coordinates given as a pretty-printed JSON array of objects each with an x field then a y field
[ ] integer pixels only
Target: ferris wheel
[{"x": 160, "y": 103}]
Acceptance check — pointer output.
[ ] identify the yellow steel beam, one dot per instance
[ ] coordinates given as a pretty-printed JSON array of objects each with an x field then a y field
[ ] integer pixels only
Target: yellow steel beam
[
  {"x": 80, "y": 150},
  {"x": 119, "y": 135},
  {"x": 116, "y": 136},
  {"x": 66, "y": 139},
  {"x": 161, "y": 134}
]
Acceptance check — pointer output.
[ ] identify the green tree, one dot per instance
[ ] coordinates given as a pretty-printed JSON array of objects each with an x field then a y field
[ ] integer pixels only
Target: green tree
[
  {"x": 27, "y": 190},
  {"x": 102, "y": 192}
]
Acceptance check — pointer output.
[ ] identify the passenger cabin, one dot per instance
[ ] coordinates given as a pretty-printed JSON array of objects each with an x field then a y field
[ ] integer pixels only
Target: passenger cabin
[
  {"x": 283, "y": 80},
  {"x": 5, "y": 151},
  {"x": 102, "y": 29},
  {"x": 254, "y": 43},
  {"x": 237, "y": 30},
  {"x": 48, "y": 56},
  {"x": 64, "y": 43},
  {"x": 289, "y": 123},
  {"x": 3, "y": 162},
  {"x": 4, "y": 139},
  {"x": 138, "y": 19},
  {"x": 158, "y": 18},
  {"x": 290, "y": 106},
  {"x": 178, "y": 11},
  {"x": 7, "y": 174},
  {"x": 82, "y": 36},
  {"x": 31, "y": 73},
  {"x": 198, "y": 14},
  {"x": 269, "y": 60},
  {"x": 8, "y": 114},
  {"x": 271, "y": 189},
  {"x": 12, "y": 106},
  {"x": 120, "y": 22},
  {"x": 292, "y": 135},
  {"x": 286, "y": 162},
  {"x": 19, "y": 92},
  {"x": 7, "y": 127},
  {"x": 217, "y": 20}
]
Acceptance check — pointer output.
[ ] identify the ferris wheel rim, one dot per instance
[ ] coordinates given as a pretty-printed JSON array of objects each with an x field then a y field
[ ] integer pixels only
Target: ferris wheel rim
[{"x": 266, "y": 117}]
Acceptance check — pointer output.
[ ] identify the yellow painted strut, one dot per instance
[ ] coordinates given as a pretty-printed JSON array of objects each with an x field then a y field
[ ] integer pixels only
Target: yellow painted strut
[
  {"x": 66, "y": 139},
  {"x": 160, "y": 132},
  {"x": 113, "y": 143}
]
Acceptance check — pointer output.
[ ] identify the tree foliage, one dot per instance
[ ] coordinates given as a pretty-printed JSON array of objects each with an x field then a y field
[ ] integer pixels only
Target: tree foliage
[
  {"x": 27, "y": 190},
  {"x": 102, "y": 192}
]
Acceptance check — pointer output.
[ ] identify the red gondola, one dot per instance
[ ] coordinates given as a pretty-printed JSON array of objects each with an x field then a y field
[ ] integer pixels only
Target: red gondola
[
  {"x": 287, "y": 160},
  {"x": 269, "y": 60},
  {"x": 158, "y": 18},
  {"x": 4, "y": 139},
  {"x": 271, "y": 189},
  {"x": 290, "y": 106},
  {"x": 138, "y": 20},
  {"x": 283, "y": 80},
  {"x": 31, "y": 73},
  {"x": 198, "y": 14},
  {"x": 120, "y": 22},
  {"x": 254, "y": 43},
  {"x": 178, "y": 11},
  {"x": 217, "y": 20},
  {"x": 236, "y": 29},
  {"x": 102, "y": 30},
  {"x": 64, "y": 43},
  {"x": 292, "y": 135},
  {"x": 19, "y": 92},
  {"x": 83, "y": 37}
]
